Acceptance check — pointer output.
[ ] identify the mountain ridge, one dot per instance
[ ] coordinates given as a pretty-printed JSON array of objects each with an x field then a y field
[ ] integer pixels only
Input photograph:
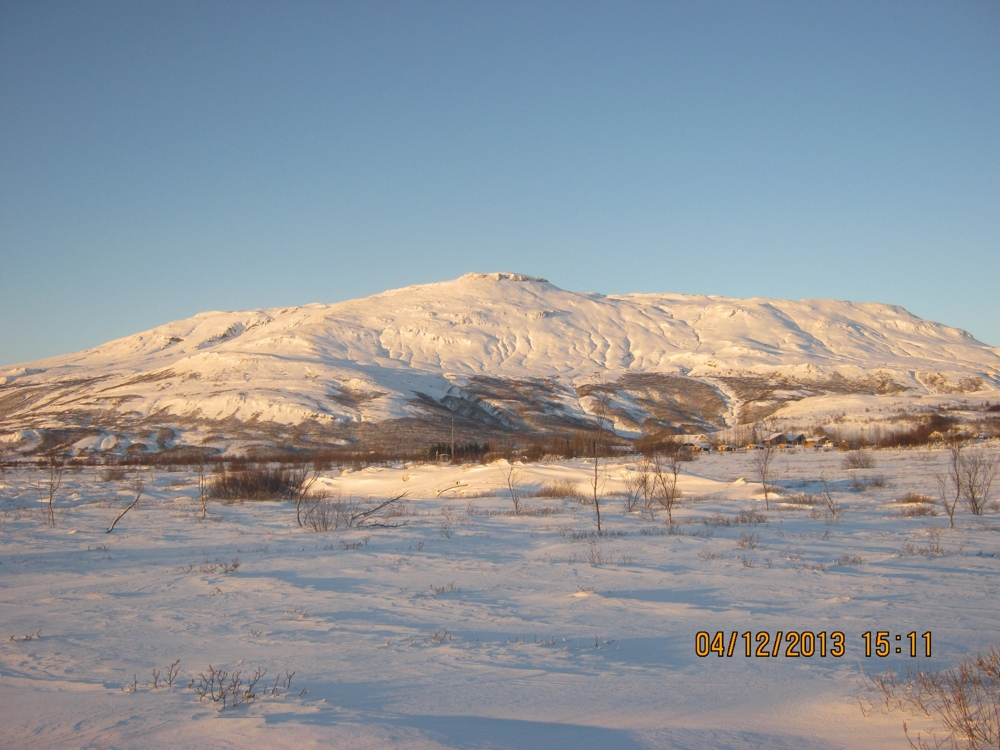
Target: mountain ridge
[{"x": 500, "y": 352}]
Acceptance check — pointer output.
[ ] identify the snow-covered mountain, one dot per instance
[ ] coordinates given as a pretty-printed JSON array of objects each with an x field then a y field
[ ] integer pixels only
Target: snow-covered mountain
[{"x": 493, "y": 352}]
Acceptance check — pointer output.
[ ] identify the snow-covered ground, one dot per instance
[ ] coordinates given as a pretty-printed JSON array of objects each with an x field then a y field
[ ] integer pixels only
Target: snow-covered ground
[{"x": 470, "y": 627}]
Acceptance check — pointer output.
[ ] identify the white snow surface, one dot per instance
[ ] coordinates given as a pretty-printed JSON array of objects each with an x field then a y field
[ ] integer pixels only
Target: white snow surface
[
  {"x": 470, "y": 627},
  {"x": 284, "y": 364}
]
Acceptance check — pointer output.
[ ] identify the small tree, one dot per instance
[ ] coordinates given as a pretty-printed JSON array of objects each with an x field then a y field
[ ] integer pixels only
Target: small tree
[
  {"x": 54, "y": 465},
  {"x": 944, "y": 485},
  {"x": 138, "y": 487},
  {"x": 828, "y": 499},
  {"x": 512, "y": 476},
  {"x": 761, "y": 465},
  {"x": 202, "y": 488},
  {"x": 601, "y": 410}
]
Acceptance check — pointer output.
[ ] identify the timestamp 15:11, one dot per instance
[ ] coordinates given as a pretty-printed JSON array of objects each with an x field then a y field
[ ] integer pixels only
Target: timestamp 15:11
[{"x": 878, "y": 642}]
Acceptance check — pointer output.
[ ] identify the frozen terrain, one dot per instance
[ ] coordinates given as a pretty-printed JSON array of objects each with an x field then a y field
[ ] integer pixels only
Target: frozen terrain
[
  {"x": 494, "y": 353},
  {"x": 470, "y": 627}
]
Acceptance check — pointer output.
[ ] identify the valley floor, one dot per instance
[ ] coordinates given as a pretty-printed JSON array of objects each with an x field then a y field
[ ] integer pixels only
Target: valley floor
[{"x": 469, "y": 627}]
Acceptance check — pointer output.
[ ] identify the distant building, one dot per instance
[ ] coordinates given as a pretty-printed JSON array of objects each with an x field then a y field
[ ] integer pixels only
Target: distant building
[{"x": 785, "y": 439}]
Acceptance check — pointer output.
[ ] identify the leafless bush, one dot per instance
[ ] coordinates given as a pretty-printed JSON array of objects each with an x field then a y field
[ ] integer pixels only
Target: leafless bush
[
  {"x": 860, "y": 482},
  {"x": 112, "y": 473},
  {"x": 324, "y": 514},
  {"x": 860, "y": 459},
  {"x": 913, "y": 511},
  {"x": 158, "y": 676},
  {"x": 636, "y": 483},
  {"x": 743, "y": 517},
  {"x": 559, "y": 489},
  {"x": 802, "y": 498},
  {"x": 934, "y": 549},
  {"x": 226, "y": 688},
  {"x": 27, "y": 636},
  {"x": 707, "y": 554},
  {"x": 965, "y": 699},
  {"x": 912, "y": 498},
  {"x": 438, "y": 637},
  {"x": 851, "y": 560},
  {"x": 747, "y": 541},
  {"x": 750, "y": 516},
  {"x": 447, "y": 519},
  {"x": 596, "y": 554},
  {"x": 260, "y": 483}
]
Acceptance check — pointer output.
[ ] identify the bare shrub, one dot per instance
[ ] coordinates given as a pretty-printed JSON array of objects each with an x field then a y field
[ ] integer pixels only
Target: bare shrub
[
  {"x": 850, "y": 560},
  {"x": 977, "y": 469},
  {"x": 636, "y": 483},
  {"x": 750, "y": 516},
  {"x": 324, "y": 514},
  {"x": 320, "y": 515},
  {"x": 447, "y": 519},
  {"x": 743, "y": 517},
  {"x": 26, "y": 637},
  {"x": 563, "y": 488},
  {"x": 860, "y": 482},
  {"x": 878, "y": 480},
  {"x": 747, "y": 541},
  {"x": 707, "y": 554},
  {"x": 913, "y": 511},
  {"x": 965, "y": 699},
  {"x": 112, "y": 473},
  {"x": 860, "y": 459},
  {"x": 596, "y": 554},
  {"x": 259, "y": 483},
  {"x": 912, "y": 498},
  {"x": 226, "y": 688},
  {"x": 801, "y": 498}
]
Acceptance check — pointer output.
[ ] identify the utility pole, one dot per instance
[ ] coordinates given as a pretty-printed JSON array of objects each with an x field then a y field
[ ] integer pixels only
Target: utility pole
[{"x": 453, "y": 439}]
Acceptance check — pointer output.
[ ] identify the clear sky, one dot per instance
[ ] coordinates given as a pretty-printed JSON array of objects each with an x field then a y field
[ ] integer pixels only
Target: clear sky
[{"x": 163, "y": 159}]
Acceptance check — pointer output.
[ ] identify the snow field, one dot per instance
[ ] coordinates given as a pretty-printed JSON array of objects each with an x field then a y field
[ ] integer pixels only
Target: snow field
[{"x": 469, "y": 627}]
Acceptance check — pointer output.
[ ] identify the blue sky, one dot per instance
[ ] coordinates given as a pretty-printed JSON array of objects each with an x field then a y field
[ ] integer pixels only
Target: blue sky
[{"x": 162, "y": 159}]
